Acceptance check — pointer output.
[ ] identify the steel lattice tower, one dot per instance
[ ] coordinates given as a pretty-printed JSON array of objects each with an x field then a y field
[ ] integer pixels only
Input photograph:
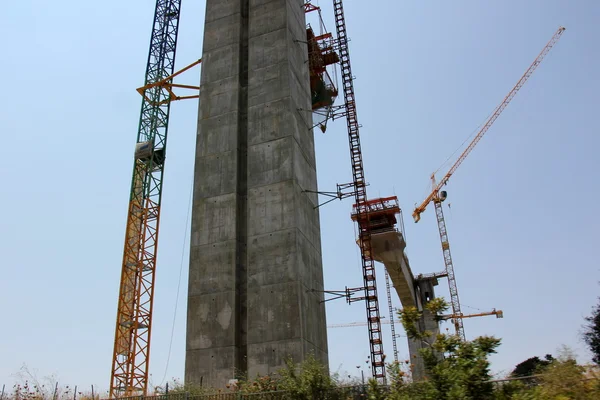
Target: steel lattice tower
[{"x": 129, "y": 375}]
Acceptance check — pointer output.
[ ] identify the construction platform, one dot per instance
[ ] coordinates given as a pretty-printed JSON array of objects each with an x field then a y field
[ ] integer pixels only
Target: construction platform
[{"x": 383, "y": 220}]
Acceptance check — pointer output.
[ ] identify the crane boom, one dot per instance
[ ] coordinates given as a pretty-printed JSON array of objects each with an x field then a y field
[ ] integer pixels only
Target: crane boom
[
  {"x": 129, "y": 374},
  {"x": 488, "y": 123}
]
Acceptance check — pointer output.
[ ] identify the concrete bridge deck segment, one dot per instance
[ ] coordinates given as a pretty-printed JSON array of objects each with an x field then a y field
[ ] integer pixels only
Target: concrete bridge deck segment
[{"x": 387, "y": 246}]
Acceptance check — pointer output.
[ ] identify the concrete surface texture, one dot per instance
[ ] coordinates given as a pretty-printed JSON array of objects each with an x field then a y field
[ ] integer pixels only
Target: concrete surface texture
[
  {"x": 255, "y": 240},
  {"x": 388, "y": 248},
  {"x": 425, "y": 293}
]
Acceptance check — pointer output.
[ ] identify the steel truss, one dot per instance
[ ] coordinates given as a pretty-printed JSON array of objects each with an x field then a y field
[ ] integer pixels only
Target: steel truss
[
  {"x": 341, "y": 193},
  {"x": 129, "y": 375}
]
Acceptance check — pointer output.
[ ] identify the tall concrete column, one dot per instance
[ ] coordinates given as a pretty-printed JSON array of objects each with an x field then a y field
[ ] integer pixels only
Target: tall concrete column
[
  {"x": 255, "y": 241},
  {"x": 424, "y": 294}
]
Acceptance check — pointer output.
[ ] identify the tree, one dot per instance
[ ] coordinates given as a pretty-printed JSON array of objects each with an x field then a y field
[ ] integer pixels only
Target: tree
[
  {"x": 531, "y": 365},
  {"x": 591, "y": 333},
  {"x": 307, "y": 380},
  {"x": 464, "y": 370},
  {"x": 563, "y": 378}
]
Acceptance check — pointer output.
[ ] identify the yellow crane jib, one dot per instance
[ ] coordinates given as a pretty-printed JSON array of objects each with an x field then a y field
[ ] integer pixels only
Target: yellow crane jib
[
  {"x": 435, "y": 193},
  {"x": 497, "y": 313}
]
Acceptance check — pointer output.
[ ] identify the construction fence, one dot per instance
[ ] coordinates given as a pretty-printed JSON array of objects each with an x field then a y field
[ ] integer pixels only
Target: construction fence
[
  {"x": 26, "y": 392},
  {"x": 357, "y": 392},
  {"x": 341, "y": 393}
]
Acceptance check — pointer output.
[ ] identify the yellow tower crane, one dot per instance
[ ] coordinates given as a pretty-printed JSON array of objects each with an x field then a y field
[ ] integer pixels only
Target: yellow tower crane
[{"x": 438, "y": 196}]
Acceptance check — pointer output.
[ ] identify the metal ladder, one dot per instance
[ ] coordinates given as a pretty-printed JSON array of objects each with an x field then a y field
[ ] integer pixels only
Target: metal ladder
[{"x": 368, "y": 264}]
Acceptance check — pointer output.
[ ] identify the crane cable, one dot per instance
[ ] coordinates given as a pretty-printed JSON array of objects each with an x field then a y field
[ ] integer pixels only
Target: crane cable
[
  {"x": 427, "y": 189},
  {"x": 185, "y": 236},
  {"x": 474, "y": 308},
  {"x": 473, "y": 133}
]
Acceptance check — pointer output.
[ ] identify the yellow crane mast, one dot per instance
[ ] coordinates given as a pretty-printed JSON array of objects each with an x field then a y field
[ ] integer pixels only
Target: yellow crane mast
[{"x": 437, "y": 196}]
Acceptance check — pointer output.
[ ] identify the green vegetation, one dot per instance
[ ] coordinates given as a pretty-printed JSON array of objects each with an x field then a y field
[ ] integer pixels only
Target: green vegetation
[
  {"x": 306, "y": 381},
  {"x": 48, "y": 388},
  {"x": 463, "y": 373},
  {"x": 560, "y": 379},
  {"x": 591, "y": 334},
  {"x": 455, "y": 370},
  {"x": 460, "y": 370},
  {"x": 531, "y": 365}
]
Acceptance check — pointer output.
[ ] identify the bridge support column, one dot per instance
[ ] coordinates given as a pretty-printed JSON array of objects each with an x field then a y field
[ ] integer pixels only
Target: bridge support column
[{"x": 424, "y": 294}]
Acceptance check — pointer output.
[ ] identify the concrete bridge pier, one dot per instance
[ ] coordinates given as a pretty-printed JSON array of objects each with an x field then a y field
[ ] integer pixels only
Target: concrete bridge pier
[
  {"x": 255, "y": 237},
  {"x": 424, "y": 293}
]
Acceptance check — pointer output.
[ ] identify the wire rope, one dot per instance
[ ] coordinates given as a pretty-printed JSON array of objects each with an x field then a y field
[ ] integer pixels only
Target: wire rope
[{"x": 185, "y": 235}]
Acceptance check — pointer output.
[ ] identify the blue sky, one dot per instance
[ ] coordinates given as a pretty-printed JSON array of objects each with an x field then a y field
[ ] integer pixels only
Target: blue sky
[{"x": 523, "y": 225}]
